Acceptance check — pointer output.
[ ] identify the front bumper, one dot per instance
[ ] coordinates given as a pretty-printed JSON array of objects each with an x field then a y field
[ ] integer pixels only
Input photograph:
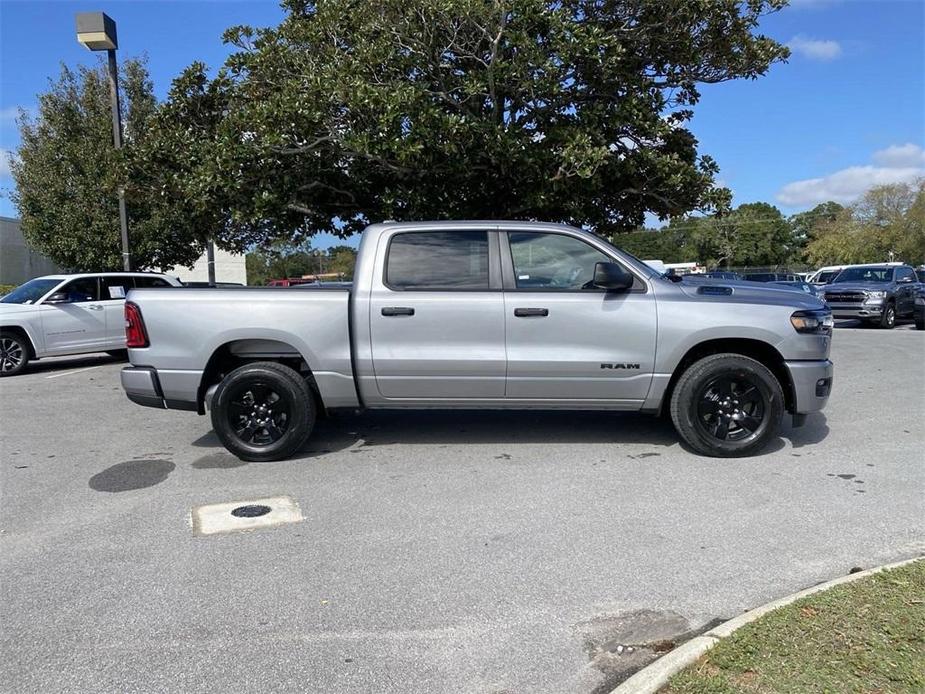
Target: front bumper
[
  {"x": 812, "y": 384},
  {"x": 862, "y": 311}
]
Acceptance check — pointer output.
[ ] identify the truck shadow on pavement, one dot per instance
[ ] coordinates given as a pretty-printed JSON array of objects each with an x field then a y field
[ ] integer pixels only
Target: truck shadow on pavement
[{"x": 362, "y": 432}]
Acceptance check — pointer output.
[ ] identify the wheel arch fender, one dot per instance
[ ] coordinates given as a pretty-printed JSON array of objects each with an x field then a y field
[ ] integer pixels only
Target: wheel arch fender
[
  {"x": 234, "y": 351},
  {"x": 22, "y": 331},
  {"x": 761, "y": 351}
]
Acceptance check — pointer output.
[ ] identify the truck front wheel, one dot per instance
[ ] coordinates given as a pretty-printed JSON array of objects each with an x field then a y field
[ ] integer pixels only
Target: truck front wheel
[
  {"x": 263, "y": 411},
  {"x": 727, "y": 405}
]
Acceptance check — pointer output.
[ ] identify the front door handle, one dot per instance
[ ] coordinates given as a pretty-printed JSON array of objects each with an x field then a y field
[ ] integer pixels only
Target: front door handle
[
  {"x": 527, "y": 312},
  {"x": 397, "y": 311},
  {"x": 95, "y": 308}
]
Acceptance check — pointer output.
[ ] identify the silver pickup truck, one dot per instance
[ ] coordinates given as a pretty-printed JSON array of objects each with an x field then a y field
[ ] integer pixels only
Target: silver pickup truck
[{"x": 484, "y": 315}]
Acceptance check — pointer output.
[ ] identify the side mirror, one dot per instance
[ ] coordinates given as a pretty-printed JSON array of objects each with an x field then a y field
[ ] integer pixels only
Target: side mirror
[
  {"x": 611, "y": 277},
  {"x": 57, "y": 298}
]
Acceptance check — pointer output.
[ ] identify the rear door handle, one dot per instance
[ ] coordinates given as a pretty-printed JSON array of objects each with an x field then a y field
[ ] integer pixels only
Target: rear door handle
[
  {"x": 95, "y": 307},
  {"x": 527, "y": 312},
  {"x": 397, "y": 311}
]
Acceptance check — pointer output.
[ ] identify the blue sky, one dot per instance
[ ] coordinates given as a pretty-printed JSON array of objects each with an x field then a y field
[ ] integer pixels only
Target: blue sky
[{"x": 846, "y": 112}]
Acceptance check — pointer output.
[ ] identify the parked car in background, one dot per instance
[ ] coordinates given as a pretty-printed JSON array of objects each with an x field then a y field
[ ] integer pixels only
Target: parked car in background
[
  {"x": 770, "y": 277},
  {"x": 57, "y": 315},
  {"x": 799, "y": 284},
  {"x": 877, "y": 293},
  {"x": 722, "y": 275},
  {"x": 824, "y": 275},
  {"x": 485, "y": 315}
]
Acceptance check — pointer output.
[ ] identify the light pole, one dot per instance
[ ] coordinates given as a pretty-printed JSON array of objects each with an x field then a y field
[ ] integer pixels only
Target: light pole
[{"x": 97, "y": 31}]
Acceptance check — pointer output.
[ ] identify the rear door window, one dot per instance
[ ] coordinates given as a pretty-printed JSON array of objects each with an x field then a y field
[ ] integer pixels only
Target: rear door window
[
  {"x": 112, "y": 288},
  {"x": 438, "y": 260}
]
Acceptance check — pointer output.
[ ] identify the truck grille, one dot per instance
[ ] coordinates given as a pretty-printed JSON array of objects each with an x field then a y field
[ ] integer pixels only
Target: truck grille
[{"x": 845, "y": 297}]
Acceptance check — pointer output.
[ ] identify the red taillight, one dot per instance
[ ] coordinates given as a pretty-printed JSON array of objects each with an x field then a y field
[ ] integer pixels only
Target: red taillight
[{"x": 135, "y": 333}]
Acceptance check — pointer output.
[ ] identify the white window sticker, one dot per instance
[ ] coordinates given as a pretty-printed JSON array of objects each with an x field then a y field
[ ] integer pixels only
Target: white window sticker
[
  {"x": 117, "y": 292},
  {"x": 523, "y": 277}
]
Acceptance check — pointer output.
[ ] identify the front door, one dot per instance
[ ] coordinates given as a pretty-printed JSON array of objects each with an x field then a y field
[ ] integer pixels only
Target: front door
[
  {"x": 437, "y": 317},
  {"x": 79, "y": 324},
  {"x": 567, "y": 340}
]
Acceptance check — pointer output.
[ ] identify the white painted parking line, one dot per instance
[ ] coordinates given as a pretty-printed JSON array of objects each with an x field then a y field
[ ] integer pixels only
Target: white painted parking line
[
  {"x": 75, "y": 371},
  {"x": 235, "y": 516}
]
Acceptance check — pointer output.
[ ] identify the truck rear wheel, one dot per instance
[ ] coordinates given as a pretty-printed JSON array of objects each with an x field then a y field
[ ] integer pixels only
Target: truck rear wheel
[
  {"x": 727, "y": 405},
  {"x": 263, "y": 411}
]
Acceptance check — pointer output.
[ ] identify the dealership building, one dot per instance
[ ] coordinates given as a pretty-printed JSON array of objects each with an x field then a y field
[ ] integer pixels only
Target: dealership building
[{"x": 19, "y": 263}]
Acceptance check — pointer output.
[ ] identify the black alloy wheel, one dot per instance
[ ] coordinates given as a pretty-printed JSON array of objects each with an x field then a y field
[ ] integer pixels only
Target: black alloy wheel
[
  {"x": 731, "y": 408},
  {"x": 263, "y": 411},
  {"x": 257, "y": 414},
  {"x": 727, "y": 405}
]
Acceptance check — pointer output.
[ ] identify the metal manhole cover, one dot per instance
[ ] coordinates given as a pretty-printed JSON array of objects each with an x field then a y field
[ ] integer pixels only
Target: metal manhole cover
[{"x": 250, "y": 511}]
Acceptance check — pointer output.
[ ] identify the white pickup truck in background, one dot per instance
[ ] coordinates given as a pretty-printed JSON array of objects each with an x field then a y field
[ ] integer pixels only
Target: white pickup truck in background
[{"x": 58, "y": 315}]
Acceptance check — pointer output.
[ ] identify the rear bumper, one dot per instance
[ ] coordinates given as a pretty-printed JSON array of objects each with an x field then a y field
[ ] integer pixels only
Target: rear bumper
[
  {"x": 142, "y": 385},
  {"x": 812, "y": 384}
]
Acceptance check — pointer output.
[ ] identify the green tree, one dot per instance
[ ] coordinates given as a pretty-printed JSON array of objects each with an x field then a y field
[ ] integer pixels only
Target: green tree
[
  {"x": 67, "y": 174},
  {"x": 353, "y": 112},
  {"x": 888, "y": 222}
]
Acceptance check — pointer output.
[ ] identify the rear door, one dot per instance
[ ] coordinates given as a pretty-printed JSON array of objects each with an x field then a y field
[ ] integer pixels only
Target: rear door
[
  {"x": 79, "y": 325},
  {"x": 437, "y": 317},
  {"x": 565, "y": 339}
]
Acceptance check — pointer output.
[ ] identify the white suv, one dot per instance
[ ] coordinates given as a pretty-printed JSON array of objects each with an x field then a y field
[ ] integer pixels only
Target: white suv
[{"x": 57, "y": 315}]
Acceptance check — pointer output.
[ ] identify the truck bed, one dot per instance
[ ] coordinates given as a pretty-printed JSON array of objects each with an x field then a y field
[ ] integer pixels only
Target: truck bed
[{"x": 252, "y": 322}]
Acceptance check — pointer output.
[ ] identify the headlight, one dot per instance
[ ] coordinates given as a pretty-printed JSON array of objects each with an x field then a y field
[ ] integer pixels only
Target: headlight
[
  {"x": 813, "y": 322},
  {"x": 876, "y": 295}
]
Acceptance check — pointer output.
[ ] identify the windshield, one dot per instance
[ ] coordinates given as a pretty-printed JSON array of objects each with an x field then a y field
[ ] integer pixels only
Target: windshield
[
  {"x": 826, "y": 277},
  {"x": 865, "y": 274},
  {"x": 30, "y": 292}
]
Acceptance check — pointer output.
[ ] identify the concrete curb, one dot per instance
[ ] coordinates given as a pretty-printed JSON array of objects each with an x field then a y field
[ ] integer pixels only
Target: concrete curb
[{"x": 655, "y": 676}]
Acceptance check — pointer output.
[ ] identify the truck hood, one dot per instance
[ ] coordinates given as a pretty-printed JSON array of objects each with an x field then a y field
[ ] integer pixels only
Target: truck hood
[
  {"x": 858, "y": 286},
  {"x": 745, "y": 292}
]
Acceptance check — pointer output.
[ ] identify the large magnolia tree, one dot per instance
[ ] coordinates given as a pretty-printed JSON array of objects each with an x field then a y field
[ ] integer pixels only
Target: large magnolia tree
[{"x": 352, "y": 112}]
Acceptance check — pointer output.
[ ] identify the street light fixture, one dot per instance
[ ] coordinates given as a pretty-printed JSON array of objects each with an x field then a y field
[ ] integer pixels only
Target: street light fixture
[{"x": 97, "y": 31}]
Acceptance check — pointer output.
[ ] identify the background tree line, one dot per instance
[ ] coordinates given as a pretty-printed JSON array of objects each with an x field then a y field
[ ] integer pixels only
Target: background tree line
[{"x": 887, "y": 223}]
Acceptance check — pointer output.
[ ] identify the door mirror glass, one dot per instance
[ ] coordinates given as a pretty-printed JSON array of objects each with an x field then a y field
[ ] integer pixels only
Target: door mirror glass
[
  {"x": 57, "y": 298},
  {"x": 612, "y": 277}
]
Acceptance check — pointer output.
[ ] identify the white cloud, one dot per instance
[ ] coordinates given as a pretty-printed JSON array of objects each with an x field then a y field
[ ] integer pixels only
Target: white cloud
[
  {"x": 895, "y": 164},
  {"x": 900, "y": 156},
  {"x": 815, "y": 49},
  {"x": 4, "y": 162}
]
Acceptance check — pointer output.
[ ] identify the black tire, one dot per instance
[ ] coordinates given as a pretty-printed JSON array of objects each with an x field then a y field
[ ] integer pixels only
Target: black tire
[
  {"x": 14, "y": 353},
  {"x": 263, "y": 411},
  {"x": 888, "y": 319},
  {"x": 727, "y": 406},
  {"x": 920, "y": 323}
]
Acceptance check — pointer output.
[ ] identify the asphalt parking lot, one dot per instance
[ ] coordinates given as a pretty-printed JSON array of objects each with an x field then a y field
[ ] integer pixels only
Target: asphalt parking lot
[{"x": 439, "y": 552}]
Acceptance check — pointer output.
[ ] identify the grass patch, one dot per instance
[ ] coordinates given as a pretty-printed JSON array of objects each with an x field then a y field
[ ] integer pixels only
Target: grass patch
[{"x": 865, "y": 636}]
